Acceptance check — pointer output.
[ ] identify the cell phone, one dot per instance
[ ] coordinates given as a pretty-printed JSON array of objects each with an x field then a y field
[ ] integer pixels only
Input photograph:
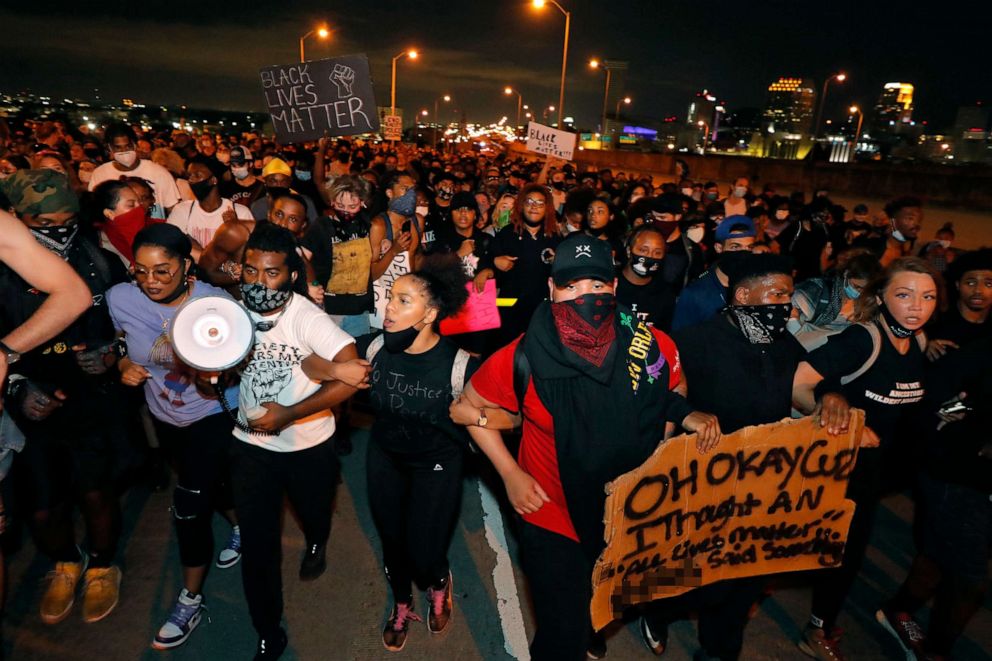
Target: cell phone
[
  {"x": 956, "y": 407},
  {"x": 405, "y": 227}
]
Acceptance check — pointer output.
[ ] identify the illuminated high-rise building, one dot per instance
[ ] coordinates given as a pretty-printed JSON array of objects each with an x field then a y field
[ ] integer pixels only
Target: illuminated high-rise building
[
  {"x": 701, "y": 108},
  {"x": 789, "y": 107},
  {"x": 894, "y": 107}
]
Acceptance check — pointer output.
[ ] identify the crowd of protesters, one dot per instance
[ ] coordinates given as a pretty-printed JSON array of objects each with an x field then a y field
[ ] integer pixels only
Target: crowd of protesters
[{"x": 746, "y": 306}]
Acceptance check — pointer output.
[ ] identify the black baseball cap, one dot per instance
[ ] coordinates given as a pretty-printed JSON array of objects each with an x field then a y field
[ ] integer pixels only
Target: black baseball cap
[
  {"x": 240, "y": 155},
  {"x": 580, "y": 256},
  {"x": 464, "y": 200}
]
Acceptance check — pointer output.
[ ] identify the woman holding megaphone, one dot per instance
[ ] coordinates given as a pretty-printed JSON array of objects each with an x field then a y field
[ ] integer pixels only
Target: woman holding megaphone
[{"x": 191, "y": 425}]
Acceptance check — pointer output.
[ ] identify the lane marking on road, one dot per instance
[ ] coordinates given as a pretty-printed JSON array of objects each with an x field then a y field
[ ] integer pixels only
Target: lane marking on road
[{"x": 511, "y": 618}]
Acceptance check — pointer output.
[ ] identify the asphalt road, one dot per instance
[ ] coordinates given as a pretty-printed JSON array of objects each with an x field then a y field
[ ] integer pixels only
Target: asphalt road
[{"x": 340, "y": 616}]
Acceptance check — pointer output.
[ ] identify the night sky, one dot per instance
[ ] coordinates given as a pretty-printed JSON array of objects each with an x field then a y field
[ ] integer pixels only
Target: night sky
[{"x": 206, "y": 53}]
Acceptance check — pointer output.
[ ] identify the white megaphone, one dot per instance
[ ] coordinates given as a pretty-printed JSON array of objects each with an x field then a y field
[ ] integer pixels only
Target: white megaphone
[{"x": 212, "y": 333}]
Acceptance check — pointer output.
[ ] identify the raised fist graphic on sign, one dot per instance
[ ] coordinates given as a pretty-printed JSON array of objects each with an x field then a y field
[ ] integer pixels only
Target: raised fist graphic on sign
[{"x": 343, "y": 78}]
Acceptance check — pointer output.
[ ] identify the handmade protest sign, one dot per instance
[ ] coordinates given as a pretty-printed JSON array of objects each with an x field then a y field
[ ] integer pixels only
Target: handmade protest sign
[
  {"x": 308, "y": 100},
  {"x": 479, "y": 313},
  {"x": 392, "y": 128},
  {"x": 546, "y": 140},
  {"x": 768, "y": 499}
]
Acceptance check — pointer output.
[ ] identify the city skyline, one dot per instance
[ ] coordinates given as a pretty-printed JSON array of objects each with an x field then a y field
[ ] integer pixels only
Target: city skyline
[{"x": 195, "y": 53}]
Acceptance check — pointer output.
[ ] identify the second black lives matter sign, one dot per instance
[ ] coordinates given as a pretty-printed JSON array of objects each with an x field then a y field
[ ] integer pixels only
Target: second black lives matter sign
[{"x": 310, "y": 100}]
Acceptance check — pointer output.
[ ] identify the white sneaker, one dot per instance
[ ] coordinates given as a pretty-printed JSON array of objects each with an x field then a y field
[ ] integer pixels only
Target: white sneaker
[
  {"x": 183, "y": 619},
  {"x": 231, "y": 553}
]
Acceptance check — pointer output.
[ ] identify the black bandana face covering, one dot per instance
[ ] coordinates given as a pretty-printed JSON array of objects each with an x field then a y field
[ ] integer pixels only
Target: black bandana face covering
[
  {"x": 897, "y": 329},
  {"x": 761, "y": 324},
  {"x": 259, "y": 298},
  {"x": 56, "y": 238}
]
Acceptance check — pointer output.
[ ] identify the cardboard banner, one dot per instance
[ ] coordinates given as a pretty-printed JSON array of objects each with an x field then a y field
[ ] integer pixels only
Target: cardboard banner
[
  {"x": 768, "y": 499},
  {"x": 546, "y": 140},
  {"x": 309, "y": 100},
  {"x": 392, "y": 128},
  {"x": 479, "y": 313}
]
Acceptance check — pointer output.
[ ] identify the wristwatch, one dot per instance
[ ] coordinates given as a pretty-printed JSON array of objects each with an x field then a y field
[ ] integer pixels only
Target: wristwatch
[
  {"x": 12, "y": 356},
  {"x": 483, "y": 420}
]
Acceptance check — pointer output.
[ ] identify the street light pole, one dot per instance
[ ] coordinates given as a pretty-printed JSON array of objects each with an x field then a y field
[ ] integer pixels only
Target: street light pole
[
  {"x": 564, "y": 57},
  {"x": 606, "y": 95},
  {"x": 445, "y": 98},
  {"x": 520, "y": 104},
  {"x": 840, "y": 78},
  {"x": 626, "y": 100},
  {"x": 857, "y": 131},
  {"x": 322, "y": 32},
  {"x": 412, "y": 54}
]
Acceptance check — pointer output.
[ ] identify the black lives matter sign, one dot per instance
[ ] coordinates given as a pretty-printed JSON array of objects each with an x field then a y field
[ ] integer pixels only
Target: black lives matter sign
[{"x": 329, "y": 97}]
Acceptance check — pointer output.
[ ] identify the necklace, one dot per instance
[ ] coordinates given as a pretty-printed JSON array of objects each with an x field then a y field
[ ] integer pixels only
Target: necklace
[{"x": 161, "y": 352}]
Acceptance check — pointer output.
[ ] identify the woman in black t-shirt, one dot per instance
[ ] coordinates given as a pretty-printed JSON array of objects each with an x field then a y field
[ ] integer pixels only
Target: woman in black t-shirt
[
  {"x": 415, "y": 451},
  {"x": 891, "y": 312}
]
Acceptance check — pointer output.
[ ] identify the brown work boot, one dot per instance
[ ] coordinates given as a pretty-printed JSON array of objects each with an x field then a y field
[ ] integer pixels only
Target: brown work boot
[
  {"x": 819, "y": 644},
  {"x": 61, "y": 592},
  {"x": 101, "y": 591}
]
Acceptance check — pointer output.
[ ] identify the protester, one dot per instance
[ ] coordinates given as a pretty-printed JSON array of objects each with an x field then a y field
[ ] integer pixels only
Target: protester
[
  {"x": 640, "y": 285},
  {"x": 940, "y": 252},
  {"x": 906, "y": 217},
  {"x": 578, "y": 350},
  {"x": 125, "y": 163},
  {"x": 952, "y": 566},
  {"x": 243, "y": 187},
  {"x": 394, "y": 237},
  {"x": 878, "y": 364},
  {"x": 278, "y": 177},
  {"x": 191, "y": 425},
  {"x": 201, "y": 218}
]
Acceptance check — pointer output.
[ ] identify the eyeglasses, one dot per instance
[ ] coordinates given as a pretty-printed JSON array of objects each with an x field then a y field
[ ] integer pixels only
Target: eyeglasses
[
  {"x": 534, "y": 202},
  {"x": 161, "y": 275}
]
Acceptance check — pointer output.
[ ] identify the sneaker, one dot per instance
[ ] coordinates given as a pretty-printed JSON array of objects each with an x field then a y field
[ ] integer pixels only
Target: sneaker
[
  {"x": 397, "y": 626},
  {"x": 185, "y": 616},
  {"x": 271, "y": 647},
  {"x": 656, "y": 641},
  {"x": 906, "y": 631},
  {"x": 61, "y": 592},
  {"x": 816, "y": 643},
  {"x": 314, "y": 562},
  {"x": 101, "y": 591},
  {"x": 439, "y": 607},
  {"x": 231, "y": 553},
  {"x": 596, "y": 649}
]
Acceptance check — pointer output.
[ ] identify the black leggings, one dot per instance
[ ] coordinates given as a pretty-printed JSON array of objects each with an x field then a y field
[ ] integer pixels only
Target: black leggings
[
  {"x": 199, "y": 453},
  {"x": 260, "y": 478},
  {"x": 415, "y": 502}
]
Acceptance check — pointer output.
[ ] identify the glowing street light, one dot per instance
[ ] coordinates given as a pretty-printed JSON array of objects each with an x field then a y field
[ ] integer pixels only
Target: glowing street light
[
  {"x": 539, "y": 4},
  {"x": 626, "y": 101},
  {"x": 520, "y": 102},
  {"x": 840, "y": 78},
  {"x": 321, "y": 32},
  {"x": 413, "y": 55},
  {"x": 861, "y": 117},
  {"x": 706, "y": 129}
]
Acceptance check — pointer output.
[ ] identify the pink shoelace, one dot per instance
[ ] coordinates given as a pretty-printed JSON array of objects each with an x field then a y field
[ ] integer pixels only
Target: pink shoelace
[
  {"x": 403, "y": 613},
  {"x": 437, "y": 600}
]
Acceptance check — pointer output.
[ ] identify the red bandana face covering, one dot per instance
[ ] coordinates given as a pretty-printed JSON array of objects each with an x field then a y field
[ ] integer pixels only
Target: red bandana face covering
[{"x": 585, "y": 325}]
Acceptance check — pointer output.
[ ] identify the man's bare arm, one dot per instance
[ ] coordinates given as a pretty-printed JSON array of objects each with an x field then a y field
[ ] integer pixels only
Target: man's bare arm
[{"x": 225, "y": 247}]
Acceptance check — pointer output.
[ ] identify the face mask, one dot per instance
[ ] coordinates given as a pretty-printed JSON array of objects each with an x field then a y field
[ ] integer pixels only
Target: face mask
[
  {"x": 585, "y": 325},
  {"x": 259, "y": 298},
  {"x": 345, "y": 216},
  {"x": 404, "y": 205},
  {"x": 257, "y": 172},
  {"x": 85, "y": 176},
  {"x": 644, "y": 266},
  {"x": 598, "y": 232},
  {"x": 276, "y": 191},
  {"x": 851, "y": 292},
  {"x": 303, "y": 175},
  {"x": 400, "y": 341},
  {"x": 239, "y": 173},
  {"x": 533, "y": 223},
  {"x": 666, "y": 227},
  {"x": 687, "y": 192},
  {"x": 594, "y": 309},
  {"x": 695, "y": 234},
  {"x": 343, "y": 157},
  {"x": 762, "y": 324},
  {"x": 224, "y": 157},
  {"x": 93, "y": 153},
  {"x": 897, "y": 329},
  {"x": 898, "y": 236},
  {"x": 423, "y": 210},
  {"x": 740, "y": 191},
  {"x": 558, "y": 185},
  {"x": 445, "y": 194},
  {"x": 126, "y": 158},
  {"x": 944, "y": 243},
  {"x": 201, "y": 189},
  {"x": 711, "y": 196},
  {"x": 781, "y": 214},
  {"x": 502, "y": 219}
]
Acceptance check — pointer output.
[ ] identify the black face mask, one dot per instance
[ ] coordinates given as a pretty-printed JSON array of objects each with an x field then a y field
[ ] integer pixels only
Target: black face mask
[
  {"x": 343, "y": 157},
  {"x": 897, "y": 329},
  {"x": 401, "y": 340},
  {"x": 598, "y": 231},
  {"x": 644, "y": 266},
  {"x": 533, "y": 223},
  {"x": 445, "y": 194},
  {"x": 762, "y": 324},
  {"x": 275, "y": 192},
  {"x": 201, "y": 189},
  {"x": 558, "y": 185}
]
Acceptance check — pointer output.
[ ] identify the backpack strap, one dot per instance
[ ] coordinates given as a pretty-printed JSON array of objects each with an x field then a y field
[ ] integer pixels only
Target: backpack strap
[
  {"x": 521, "y": 375},
  {"x": 458, "y": 368},
  {"x": 389, "y": 226},
  {"x": 374, "y": 346},
  {"x": 876, "y": 349}
]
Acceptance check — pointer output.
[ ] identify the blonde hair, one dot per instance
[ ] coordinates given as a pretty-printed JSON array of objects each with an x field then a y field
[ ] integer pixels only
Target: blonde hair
[
  {"x": 866, "y": 307},
  {"x": 170, "y": 160}
]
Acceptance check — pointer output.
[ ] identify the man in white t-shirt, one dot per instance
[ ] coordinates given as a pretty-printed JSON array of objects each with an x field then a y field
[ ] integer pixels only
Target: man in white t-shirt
[
  {"x": 125, "y": 163},
  {"x": 200, "y": 219},
  {"x": 284, "y": 423}
]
